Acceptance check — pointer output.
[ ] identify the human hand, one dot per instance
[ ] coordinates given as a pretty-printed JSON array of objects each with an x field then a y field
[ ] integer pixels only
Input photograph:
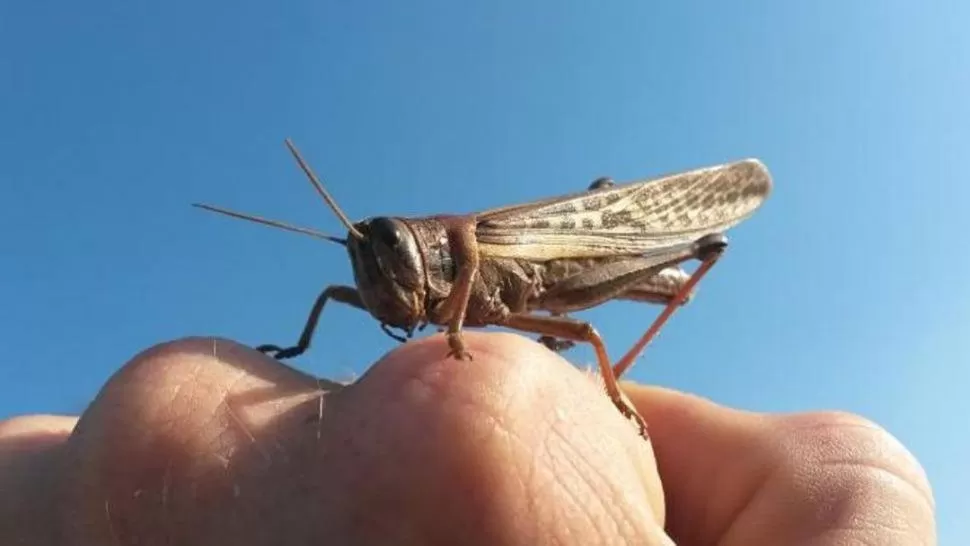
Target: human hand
[{"x": 208, "y": 442}]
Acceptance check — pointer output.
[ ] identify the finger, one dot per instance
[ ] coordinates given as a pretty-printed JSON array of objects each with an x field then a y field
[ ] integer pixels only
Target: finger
[
  {"x": 736, "y": 477},
  {"x": 204, "y": 441},
  {"x": 31, "y": 434},
  {"x": 179, "y": 441},
  {"x": 710, "y": 458},
  {"x": 29, "y": 449}
]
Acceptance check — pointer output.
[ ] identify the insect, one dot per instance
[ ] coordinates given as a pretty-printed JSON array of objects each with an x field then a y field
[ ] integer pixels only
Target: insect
[{"x": 561, "y": 255}]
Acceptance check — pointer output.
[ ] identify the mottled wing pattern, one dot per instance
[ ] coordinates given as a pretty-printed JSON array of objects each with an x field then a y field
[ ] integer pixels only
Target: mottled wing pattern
[{"x": 633, "y": 218}]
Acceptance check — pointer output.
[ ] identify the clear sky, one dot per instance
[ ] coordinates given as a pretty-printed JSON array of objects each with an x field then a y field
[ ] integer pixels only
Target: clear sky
[{"x": 848, "y": 290}]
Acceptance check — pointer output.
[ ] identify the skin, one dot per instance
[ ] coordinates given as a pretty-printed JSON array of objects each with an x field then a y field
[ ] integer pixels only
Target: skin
[{"x": 204, "y": 441}]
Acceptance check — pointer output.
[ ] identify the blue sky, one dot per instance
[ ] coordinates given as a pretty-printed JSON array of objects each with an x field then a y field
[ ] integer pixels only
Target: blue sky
[{"x": 848, "y": 290}]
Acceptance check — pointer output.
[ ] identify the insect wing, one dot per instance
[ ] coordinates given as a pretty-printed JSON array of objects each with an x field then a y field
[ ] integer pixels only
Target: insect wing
[{"x": 642, "y": 217}]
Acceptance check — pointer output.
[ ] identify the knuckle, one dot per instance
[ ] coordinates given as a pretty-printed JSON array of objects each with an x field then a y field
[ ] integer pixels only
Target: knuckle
[
  {"x": 857, "y": 467},
  {"x": 834, "y": 436},
  {"x": 161, "y": 386}
]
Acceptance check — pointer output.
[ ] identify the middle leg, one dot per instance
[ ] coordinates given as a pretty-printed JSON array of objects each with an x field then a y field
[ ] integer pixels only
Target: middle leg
[{"x": 574, "y": 330}]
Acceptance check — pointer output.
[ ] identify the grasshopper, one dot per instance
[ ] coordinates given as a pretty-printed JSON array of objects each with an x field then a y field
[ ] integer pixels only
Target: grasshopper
[{"x": 559, "y": 255}]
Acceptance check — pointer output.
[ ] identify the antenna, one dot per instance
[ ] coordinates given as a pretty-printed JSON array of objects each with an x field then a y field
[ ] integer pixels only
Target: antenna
[
  {"x": 354, "y": 232},
  {"x": 272, "y": 223}
]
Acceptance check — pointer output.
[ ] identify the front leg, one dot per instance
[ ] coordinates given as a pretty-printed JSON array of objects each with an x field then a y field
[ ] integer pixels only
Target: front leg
[
  {"x": 342, "y": 294},
  {"x": 464, "y": 251}
]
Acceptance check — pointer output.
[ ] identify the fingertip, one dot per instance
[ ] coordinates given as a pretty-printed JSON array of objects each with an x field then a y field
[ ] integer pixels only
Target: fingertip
[
  {"x": 32, "y": 433},
  {"x": 174, "y": 422},
  {"x": 184, "y": 397},
  {"x": 493, "y": 357},
  {"x": 172, "y": 385},
  {"x": 511, "y": 379},
  {"x": 514, "y": 406},
  {"x": 505, "y": 369},
  {"x": 200, "y": 358},
  {"x": 47, "y": 423}
]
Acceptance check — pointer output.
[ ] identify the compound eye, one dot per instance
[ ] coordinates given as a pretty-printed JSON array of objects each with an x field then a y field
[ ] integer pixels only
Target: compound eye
[
  {"x": 602, "y": 182},
  {"x": 386, "y": 231}
]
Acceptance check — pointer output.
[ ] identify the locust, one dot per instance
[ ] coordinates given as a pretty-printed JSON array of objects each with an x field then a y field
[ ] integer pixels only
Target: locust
[{"x": 526, "y": 267}]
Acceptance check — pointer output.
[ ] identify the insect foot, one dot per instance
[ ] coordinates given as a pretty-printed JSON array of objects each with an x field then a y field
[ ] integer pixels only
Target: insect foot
[
  {"x": 280, "y": 353},
  {"x": 710, "y": 246},
  {"x": 556, "y": 345},
  {"x": 602, "y": 182},
  {"x": 627, "y": 410},
  {"x": 457, "y": 345}
]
